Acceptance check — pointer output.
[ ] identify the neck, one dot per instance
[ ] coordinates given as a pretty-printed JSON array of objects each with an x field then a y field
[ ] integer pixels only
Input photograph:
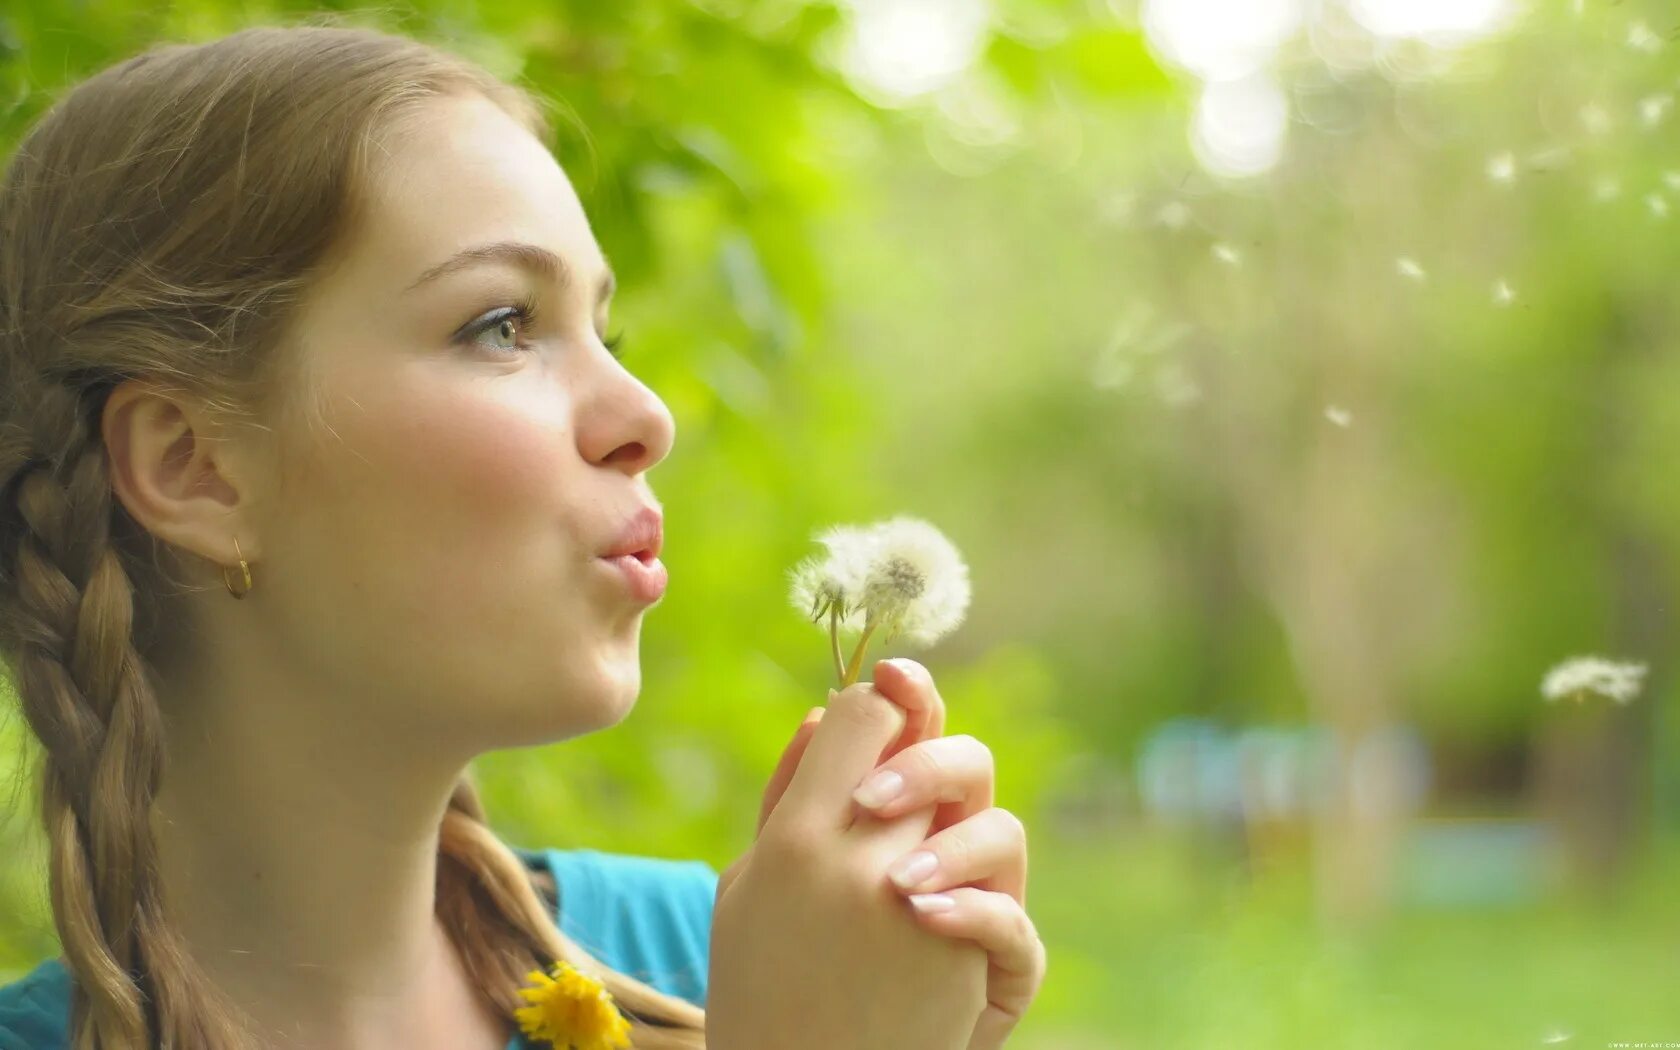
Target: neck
[{"x": 299, "y": 858}]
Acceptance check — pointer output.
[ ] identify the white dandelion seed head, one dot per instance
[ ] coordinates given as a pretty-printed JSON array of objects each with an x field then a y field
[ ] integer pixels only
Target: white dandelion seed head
[
  {"x": 1338, "y": 415},
  {"x": 1577, "y": 677},
  {"x": 819, "y": 584},
  {"x": 1409, "y": 268},
  {"x": 1502, "y": 168},
  {"x": 917, "y": 583}
]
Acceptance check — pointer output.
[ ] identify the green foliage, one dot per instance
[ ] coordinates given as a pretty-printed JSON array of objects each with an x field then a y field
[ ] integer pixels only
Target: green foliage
[{"x": 1023, "y": 312}]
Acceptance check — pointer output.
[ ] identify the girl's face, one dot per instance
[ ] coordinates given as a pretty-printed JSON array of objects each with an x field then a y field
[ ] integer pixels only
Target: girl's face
[{"x": 436, "y": 553}]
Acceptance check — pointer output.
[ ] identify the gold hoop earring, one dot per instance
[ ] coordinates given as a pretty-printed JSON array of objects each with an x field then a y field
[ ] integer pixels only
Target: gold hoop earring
[{"x": 244, "y": 567}]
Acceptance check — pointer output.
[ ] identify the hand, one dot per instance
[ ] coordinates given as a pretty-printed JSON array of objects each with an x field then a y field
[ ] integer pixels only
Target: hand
[
  {"x": 810, "y": 945},
  {"x": 981, "y": 852}
]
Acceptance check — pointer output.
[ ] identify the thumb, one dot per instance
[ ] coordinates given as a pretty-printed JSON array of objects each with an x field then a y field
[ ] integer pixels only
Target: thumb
[{"x": 783, "y": 774}]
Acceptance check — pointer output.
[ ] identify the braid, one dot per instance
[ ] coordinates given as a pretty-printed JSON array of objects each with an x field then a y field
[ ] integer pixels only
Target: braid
[
  {"x": 86, "y": 695},
  {"x": 503, "y": 929}
]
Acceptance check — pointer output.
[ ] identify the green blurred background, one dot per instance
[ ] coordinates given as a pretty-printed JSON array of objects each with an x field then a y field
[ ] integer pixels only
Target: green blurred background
[{"x": 1298, "y": 378}]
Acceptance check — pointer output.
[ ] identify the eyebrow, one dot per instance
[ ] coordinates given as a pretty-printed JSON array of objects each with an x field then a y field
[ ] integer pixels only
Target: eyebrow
[{"x": 531, "y": 257}]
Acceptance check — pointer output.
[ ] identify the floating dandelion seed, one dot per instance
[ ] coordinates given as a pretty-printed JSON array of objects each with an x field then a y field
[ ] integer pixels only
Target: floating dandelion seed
[
  {"x": 1641, "y": 38},
  {"x": 1408, "y": 267},
  {"x": 1503, "y": 294},
  {"x": 1653, "y": 108},
  {"x": 1502, "y": 168},
  {"x": 1658, "y": 205},
  {"x": 1174, "y": 215},
  {"x": 1227, "y": 254},
  {"x": 1576, "y": 678},
  {"x": 1338, "y": 415},
  {"x": 901, "y": 576}
]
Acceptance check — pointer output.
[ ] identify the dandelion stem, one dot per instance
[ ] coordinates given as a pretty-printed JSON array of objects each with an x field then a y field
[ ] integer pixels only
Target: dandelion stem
[
  {"x": 857, "y": 654},
  {"x": 834, "y": 642}
]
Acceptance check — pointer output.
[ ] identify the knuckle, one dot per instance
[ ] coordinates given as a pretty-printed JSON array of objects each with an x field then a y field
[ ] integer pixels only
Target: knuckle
[
  {"x": 1011, "y": 823},
  {"x": 980, "y": 748},
  {"x": 788, "y": 845}
]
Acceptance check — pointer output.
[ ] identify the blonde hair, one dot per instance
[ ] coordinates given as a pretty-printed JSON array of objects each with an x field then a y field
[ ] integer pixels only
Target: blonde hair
[{"x": 159, "y": 221}]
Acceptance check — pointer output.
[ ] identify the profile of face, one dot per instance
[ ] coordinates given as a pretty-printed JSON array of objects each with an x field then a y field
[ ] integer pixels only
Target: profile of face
[{"x": 433, "y": 569}]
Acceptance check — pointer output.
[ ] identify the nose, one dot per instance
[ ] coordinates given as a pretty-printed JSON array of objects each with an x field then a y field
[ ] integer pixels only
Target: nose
[{"x": 628, "y": 426}]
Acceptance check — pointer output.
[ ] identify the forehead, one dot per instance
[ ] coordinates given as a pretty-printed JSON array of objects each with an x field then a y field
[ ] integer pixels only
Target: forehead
[{"x": 460, "y": 172}]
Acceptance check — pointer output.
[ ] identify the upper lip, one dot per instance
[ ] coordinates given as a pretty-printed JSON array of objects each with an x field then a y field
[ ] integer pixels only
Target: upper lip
[{"x": 643, "y": 535}]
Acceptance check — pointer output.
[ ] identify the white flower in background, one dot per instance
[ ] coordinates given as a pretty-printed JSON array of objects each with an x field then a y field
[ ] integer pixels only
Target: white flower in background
[
  {"x": 901, "y": 576},
  {"x": 1658, "y": 205},
  {"x": 1596, "y": 119},
  {"x": 1503, "y": 293},
  {"x": 1338, "y": 415},
  {"x": 1227, "y": 254},
  {"x": 1576, "y": 678},
  {"x": 1408, "y": 267},
  {"x": 1607, "y": 188},
  {"x": 1502, "y": 168}
]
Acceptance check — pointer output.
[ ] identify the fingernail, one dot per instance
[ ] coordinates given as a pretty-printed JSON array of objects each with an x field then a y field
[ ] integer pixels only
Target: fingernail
[
  {"x": 831, "y": 695},
  {"x": 927, "y": 903},
  {"x": 880, "y": 788},
  {"x": 913, "y": 869}
]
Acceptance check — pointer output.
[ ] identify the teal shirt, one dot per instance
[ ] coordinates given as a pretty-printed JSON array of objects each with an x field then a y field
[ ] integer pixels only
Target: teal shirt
[{"x": 647, "y": 917}]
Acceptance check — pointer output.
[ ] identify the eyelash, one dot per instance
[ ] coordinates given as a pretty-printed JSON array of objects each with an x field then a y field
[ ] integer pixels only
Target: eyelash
[{"x": 525, "y": 312}]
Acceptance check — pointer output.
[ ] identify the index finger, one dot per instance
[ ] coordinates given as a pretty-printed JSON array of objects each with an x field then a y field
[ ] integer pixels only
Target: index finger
[{"x": 850, "y": 738}]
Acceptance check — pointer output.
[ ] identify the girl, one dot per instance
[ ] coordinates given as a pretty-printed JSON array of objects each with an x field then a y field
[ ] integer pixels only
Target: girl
[{"x": 318, "y": 478}]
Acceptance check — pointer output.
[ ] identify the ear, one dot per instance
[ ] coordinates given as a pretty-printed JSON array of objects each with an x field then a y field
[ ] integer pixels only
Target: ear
[{"x": 178, "y": 474}]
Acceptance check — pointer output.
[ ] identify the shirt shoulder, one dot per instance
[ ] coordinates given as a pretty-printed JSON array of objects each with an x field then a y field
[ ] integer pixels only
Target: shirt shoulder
[
  {"x": 648, "y": 917},
  {"x": 35, "y": 1009}
]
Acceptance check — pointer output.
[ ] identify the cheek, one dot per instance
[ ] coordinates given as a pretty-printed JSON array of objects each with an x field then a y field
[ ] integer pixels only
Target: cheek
[{"x": 453, "y": 483}]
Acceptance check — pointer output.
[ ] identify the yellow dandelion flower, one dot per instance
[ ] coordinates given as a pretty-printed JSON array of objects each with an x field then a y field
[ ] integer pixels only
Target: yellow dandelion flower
[{"x": 572, "y": 1010}]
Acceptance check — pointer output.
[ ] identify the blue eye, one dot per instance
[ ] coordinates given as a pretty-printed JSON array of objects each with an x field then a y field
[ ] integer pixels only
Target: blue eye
[{"x": 521, "y": 316}]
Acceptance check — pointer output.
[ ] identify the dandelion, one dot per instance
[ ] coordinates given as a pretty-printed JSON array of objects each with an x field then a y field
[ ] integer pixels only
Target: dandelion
[
  {"x": 1408, "y": 267},
  {"x": 1503, "y": 293},
  {"x": 1576, "y": 678},
  {"x": 571, "y": 1010},
  {"x": 1502, "y": 168},
  {"x": 1339, "y": 416},
  {"x": 901, "y": 576}
]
